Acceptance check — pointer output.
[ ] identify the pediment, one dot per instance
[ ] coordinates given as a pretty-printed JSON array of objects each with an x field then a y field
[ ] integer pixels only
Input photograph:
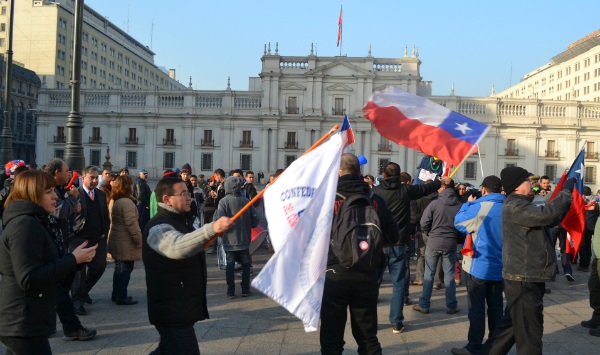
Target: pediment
[
  {"x": 338, "y": 87},
  {"x": 341, "y": 68},
  {"x": 293, "y": 86}
]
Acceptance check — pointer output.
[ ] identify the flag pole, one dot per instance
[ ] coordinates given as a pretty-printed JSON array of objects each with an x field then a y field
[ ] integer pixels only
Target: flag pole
[{"x": 261, "y": 193}]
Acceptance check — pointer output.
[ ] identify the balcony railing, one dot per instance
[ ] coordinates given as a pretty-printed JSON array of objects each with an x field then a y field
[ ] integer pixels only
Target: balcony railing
[
  {"x": 384, "y": 147},
  {"x": 168, "y": 141},
  {"x": 552, "y": 153},
  {"x": 338, "y": 112},
  {"x": 207, "y": 142},
  {"x": 290, "y": 145},
  {"x": 95, "y": 140},
  {"x": 131, "y": 140},
  {"x": 292, "y": 110},
  {"x": 246, "y": 144},
  {"x": 591, "y": 155},
  {"x": 511, "y": 152},
  {"x": 59, "y": 139}
]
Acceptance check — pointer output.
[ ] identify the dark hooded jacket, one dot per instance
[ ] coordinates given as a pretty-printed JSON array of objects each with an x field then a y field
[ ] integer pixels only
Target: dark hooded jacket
[
  {"x": 349, "y": 185},
  {"x": 438, "y": 221},
  {"x": 527, "y": 251},
  {"x": 31, "y": 269},
  {"x": 238, "y": 236},
  {"x": 397, "y": 197}
]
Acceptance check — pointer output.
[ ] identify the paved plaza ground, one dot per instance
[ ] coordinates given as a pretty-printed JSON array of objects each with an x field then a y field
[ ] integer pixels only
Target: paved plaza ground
[{"x": 257, "y": 325}]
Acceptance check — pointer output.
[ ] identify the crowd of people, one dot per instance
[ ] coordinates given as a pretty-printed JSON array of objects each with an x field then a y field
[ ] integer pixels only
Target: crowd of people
[{"x": 59, "y": 232}]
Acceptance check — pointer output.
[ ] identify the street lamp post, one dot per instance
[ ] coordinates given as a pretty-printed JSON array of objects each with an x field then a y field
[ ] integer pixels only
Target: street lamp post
[
  {"x": 74, "y": 147},
  {"x": 6, "y": 152}
]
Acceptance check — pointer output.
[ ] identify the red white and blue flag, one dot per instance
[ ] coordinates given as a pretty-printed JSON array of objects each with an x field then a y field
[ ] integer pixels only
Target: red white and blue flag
[
  {"x": 347, "y": 133},
  {"x": 340, "y": 27},
  {"x": 574, "y": 221},
  {"x": 420, "y": 124}
]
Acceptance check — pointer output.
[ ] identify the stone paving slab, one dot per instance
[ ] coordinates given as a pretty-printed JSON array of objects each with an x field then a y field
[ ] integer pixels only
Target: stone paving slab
[{"x": 257, "y": 325}]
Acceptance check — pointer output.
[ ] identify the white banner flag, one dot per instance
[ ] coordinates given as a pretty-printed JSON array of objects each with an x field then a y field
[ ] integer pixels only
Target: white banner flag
[{"x": 300, "y": 209}]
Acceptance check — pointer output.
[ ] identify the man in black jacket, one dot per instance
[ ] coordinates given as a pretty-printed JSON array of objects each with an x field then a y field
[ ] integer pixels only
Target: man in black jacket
[
  {"x": 397, "y": 197},
  {"x": 67, "y": 206},
  {"x": 142, "y": 192},
  {"x": 529, "y": 261},
  {"x": 91, "y": 225},
  {"x": 176, "y": 268},
  {"x": 349, "y": 288}
]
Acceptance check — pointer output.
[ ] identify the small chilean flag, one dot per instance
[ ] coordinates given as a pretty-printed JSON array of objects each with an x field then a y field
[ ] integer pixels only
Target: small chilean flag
[
  {"x": 420, "y": 124},
  {"x": 347, "y": 133}
]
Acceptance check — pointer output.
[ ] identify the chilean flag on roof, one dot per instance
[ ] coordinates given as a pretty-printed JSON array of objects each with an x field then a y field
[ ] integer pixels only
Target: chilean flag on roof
[{"x": 420, "y": 124}]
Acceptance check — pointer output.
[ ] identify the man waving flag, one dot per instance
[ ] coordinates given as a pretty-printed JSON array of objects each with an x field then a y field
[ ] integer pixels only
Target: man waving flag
[{"x": 420, "y": 124}]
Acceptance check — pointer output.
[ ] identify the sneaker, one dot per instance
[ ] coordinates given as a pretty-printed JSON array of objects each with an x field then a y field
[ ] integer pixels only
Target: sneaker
[
  {"x": 590, "y": 324},
  {"x": 570, "y": 277},
  {"x": 407, "y": 301},
  {"x": 437, "y": 286},
  {"x": 398, "y": 328},
  {"x": 418, "y": 282},
  {"x": 457, "y": 281},
  {"x": 246, "y": 294},
  {"x": 419, "y": 309},
  {"x": 81, "y": 334},
  {"x": 460, "y": 351},
  {"x": 230, "y": 295},
  {"x": 453, "y": 310}
]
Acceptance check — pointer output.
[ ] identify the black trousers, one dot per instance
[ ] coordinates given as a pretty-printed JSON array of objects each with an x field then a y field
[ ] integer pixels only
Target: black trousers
[
  {"x": 594, "y": 287},
  {"x": 177, "y": 340},
  {"x": 585, "y": 250},
  {"x": 89, "y": 273},
  {"x": 347, "y": 288},
  {"x": 25, "y": 346},
  {"x": 523, "y": 320},
  {"x": 64, "y": 305}
]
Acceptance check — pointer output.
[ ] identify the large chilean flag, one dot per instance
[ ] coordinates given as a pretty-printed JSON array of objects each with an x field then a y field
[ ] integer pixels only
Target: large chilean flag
[{"x": 423, "y": 125}]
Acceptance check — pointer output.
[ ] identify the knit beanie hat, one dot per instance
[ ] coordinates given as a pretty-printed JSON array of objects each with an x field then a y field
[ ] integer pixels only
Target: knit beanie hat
[
  {"x": 187, "y": 167},
  {"x": 512, "y": 177}
]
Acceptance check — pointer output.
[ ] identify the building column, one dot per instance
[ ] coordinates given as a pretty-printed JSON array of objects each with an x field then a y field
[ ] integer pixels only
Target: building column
[{"x": 273, "y": 151}]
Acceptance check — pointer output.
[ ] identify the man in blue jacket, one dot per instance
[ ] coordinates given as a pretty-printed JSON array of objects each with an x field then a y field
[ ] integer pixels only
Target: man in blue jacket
[{"x": 482, "y": 219}]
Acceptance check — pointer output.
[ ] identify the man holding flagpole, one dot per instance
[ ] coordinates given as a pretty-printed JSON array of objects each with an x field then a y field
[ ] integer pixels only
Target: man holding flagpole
[
  {"x": 529, "y": 261},
  {"x": 346, "y": 287}
]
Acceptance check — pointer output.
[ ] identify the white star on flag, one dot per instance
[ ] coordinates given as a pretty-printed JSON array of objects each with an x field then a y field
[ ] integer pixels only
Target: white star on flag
[
  {"x": 463, "y": 127},
  {"x": 580, "y": 171}
]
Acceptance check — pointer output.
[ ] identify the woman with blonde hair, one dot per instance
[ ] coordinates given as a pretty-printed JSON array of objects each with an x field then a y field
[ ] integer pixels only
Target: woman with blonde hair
[
  {"x": 33, "y": 260},
  {"x": 124, "y": 237}
]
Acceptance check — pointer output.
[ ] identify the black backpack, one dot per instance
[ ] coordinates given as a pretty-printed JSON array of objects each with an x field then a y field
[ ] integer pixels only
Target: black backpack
[{"x": 356, "y": 236}]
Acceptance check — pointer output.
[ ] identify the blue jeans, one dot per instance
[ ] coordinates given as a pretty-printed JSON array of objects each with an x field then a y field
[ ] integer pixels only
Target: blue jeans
[
  {"x": 448, "y": 264},
  {"x": 243, "y": 257},
  {"x": 121, "y": 278},
  {"x": 480, "y": 292},
  {"x": 396, "y": 261}
]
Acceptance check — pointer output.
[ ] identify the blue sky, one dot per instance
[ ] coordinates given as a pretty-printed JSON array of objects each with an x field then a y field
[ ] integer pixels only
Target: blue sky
[{"x": 472, "y": 44}]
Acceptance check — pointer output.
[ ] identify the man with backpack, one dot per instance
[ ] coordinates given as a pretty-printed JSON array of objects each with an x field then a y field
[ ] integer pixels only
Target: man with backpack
[
  {"x": 361, "y": 225},
  {"x": 397, "y": 197}
]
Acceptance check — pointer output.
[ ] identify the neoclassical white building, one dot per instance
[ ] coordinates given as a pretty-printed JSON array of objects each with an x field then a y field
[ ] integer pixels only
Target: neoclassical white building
[
  {"x": 571, "y": 75},
  {"x": 293, "y": 102}
]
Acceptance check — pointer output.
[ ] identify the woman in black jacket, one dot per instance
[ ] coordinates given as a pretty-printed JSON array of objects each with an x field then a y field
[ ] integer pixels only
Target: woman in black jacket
[{"x": 33, "y": 260}]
